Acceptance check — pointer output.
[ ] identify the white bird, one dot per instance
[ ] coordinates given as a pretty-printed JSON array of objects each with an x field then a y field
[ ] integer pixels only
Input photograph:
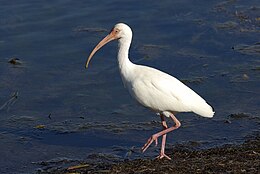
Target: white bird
[{"x": 152, "y": 88}]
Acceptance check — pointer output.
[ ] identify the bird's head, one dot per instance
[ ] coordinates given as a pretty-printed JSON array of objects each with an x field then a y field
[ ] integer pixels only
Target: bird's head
[{"x": 120, "y": 31}]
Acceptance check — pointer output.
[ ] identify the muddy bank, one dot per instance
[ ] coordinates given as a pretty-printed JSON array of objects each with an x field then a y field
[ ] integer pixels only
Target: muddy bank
[{"x": 240, "y": 158}]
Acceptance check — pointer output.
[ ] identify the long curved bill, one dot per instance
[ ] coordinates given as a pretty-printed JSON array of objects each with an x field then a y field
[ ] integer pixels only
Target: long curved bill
[{"x": 111, "y": 36}]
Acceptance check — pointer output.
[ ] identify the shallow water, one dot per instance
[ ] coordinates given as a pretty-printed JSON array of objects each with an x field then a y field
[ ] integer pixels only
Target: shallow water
[{"x": 52, "y": 107}]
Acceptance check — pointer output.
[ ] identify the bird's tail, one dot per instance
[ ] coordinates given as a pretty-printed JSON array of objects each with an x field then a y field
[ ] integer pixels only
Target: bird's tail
[{"x": 204, "y": 110}]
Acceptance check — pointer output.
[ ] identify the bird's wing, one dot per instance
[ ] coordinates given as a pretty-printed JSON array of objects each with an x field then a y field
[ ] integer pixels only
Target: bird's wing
[
  {"x": 160, "y": 91},
  {"x": 188, "y": 100},
  {"x": 182, "y": 98},
  {"x": 171, "y": 86}
]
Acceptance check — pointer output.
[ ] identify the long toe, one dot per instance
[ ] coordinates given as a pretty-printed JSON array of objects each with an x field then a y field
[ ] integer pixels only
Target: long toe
[
  {"x": 162, "y": 155},
  {"x": 149, "y": 142}
]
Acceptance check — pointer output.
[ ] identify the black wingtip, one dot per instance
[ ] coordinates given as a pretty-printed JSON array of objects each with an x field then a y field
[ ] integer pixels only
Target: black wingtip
[{"x": 212, "y": 107}]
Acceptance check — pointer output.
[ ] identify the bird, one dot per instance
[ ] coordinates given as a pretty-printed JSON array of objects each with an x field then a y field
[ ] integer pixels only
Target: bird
[{"x": 160, "y": 92}]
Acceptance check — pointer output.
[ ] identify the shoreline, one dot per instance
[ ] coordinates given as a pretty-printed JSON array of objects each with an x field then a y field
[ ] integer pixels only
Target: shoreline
[{"x": 229, "y": 158}]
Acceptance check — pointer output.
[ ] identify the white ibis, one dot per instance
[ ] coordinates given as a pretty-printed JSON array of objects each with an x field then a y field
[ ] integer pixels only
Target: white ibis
[{"x": 152, "y": 88}]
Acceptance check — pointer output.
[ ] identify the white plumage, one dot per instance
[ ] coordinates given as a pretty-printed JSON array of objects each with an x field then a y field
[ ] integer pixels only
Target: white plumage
[
  {"x": 161, "y": 92},
  {"x": 152, "y": 88}
]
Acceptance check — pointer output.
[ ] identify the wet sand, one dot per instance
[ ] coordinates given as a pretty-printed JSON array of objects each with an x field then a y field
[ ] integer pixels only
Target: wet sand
[{"x": 229, "y": 158}]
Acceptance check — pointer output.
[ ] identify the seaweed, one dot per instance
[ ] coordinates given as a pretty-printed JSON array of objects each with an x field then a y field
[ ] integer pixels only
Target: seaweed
[{"x": 223, "y": 159}]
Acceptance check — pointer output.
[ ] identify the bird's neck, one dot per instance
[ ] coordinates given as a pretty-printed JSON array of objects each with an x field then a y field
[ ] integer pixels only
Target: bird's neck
[{"x": 123, "y": 52}]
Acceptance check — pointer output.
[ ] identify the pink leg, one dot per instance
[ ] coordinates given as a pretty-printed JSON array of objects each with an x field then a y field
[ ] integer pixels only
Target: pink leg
[
  {"x": 154, "y": 137},
  {"x": 162, "y": 154}
]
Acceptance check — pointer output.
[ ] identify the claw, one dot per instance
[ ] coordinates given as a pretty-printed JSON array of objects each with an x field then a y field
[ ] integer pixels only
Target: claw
[{"x": 162, "y": 155}]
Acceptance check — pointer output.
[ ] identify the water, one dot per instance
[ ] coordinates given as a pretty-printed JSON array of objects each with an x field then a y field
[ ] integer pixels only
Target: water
[{"x": 52, "y": 107}]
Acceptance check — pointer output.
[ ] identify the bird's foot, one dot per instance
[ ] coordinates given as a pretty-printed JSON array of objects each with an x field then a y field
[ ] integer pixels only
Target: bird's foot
[
  {"x": 149, "y": 142},
  {"x": 162, "y": 155}
]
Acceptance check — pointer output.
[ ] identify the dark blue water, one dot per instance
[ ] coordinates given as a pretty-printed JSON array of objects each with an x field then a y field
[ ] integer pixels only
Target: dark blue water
[{"x": 52, "y": 107}]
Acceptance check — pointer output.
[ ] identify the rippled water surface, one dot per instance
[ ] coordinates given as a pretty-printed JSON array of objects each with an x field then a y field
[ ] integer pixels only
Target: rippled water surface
[{"x": 51, "y": 107}]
